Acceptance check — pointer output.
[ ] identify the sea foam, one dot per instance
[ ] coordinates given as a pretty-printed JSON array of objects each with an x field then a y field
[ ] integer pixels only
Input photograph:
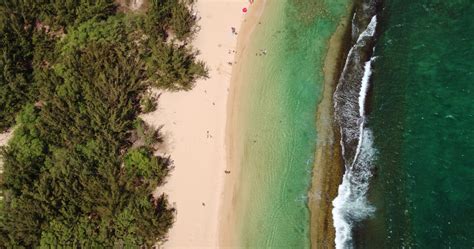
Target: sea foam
[{"x": 351, "y": 203}]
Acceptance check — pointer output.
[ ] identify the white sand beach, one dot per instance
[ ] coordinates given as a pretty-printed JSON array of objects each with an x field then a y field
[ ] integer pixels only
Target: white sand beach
[{"x": 194, "y": 129}]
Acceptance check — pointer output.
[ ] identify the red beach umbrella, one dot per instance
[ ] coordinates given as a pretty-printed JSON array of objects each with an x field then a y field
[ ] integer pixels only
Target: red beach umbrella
[{"x": 244, "y": 10}]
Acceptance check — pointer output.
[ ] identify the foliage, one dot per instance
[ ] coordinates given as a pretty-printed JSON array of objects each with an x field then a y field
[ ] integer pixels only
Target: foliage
[
  {"x": 149, "y": 102},
  {"x": 174, "y": 67},
  {"x": 146, "y": 135},
  {"x": 37, "y": 33},
  {"x": 183, "y": 22},
  {"x": 63, "y": 161},
  {"x": 141, "y": 163},
  {"x": 79, "y": 72},
  {"x": 23, "y": 25},
  {"x": 168, "y": 66},
  {"x": 15, "y": 65},
  {"x": 60, "y": 13},
  {"x": 171, "y": 15}
]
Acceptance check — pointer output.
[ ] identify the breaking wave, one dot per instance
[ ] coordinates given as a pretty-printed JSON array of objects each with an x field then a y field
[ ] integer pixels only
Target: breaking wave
[{"x": 351, "y": 204}]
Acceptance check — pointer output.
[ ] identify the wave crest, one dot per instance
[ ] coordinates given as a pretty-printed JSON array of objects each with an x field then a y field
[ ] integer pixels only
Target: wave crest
[{"x": 351, "y": 204}]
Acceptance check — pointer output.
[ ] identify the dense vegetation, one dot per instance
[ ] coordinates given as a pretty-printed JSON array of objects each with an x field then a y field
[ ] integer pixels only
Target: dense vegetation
[{"x": 80, "y": 169}]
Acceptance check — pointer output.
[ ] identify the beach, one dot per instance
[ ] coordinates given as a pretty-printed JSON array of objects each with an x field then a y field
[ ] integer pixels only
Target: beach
[
  {"x": 227, "y": 223},
  {"x": 194, "y": 127},
  {"x": 205, "y": 124},
  {"x": 217, "y": 134},
  {"x": 256, "y": 151},
  {"x": 222, "y": 134}
]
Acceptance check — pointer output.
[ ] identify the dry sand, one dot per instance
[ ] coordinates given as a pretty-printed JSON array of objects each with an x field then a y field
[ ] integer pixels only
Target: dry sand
[
  {"x": 4, "y": 138},
  {"x": 194, "y": 128}
]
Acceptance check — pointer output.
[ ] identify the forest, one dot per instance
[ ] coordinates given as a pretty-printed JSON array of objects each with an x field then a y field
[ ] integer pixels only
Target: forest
[{"x": 80, "y": 169}]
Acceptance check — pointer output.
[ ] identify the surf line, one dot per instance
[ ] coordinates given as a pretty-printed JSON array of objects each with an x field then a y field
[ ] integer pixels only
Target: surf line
[{"x": 351, "y": 204}]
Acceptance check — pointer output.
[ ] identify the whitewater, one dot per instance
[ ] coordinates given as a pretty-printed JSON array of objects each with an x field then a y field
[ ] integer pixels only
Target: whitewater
[{"x": 351, "y": 203}]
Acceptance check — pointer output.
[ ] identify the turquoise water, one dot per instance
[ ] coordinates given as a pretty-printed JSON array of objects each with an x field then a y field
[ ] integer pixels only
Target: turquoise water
[
  {"x": 422, "y": 117},
  {"x": 278, "y": 138}
]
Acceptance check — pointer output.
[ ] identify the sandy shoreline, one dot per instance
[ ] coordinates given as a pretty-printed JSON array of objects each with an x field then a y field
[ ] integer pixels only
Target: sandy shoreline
[
  {"x": 227, "y": 229},
  {"x": 328, "y": 165},
  {"x": 194, "y": 128},
  {"x": 200, "y": 129}
]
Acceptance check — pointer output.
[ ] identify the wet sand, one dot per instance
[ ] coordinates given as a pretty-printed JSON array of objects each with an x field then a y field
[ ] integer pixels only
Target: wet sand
[{"x": 227, "y": 238}]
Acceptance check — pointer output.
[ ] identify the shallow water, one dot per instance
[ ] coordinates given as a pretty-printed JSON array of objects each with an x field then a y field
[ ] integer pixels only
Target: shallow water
[{"x": 278, "y": 136}]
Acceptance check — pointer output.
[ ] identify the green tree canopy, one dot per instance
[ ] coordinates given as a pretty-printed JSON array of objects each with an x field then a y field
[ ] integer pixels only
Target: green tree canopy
[{"x": 75, "y": 72}]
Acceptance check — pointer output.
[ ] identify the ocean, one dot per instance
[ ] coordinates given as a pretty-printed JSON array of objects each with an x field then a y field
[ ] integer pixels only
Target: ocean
[
  {"x": 404, "y": 107},
  {"x": 422, "y": 117},
  {"x": 404, "y": 104},
  {"x": 409, "y": 166}
]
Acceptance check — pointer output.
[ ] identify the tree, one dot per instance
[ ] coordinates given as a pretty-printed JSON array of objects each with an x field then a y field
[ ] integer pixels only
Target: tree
[{"x": 76, "y": 73}]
